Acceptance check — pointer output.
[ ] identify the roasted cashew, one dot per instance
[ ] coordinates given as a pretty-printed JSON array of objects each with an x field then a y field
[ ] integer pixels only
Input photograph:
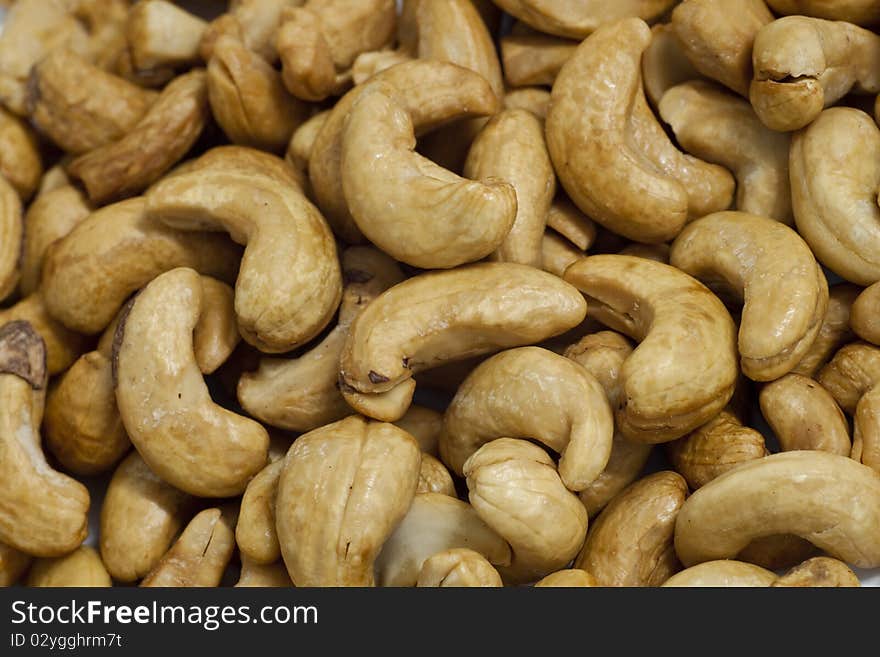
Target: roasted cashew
[
  {"x": 255, "y": 22},
  {"x": 20, "y": 160},
  {"x": 160, "y": 33},
  {"x": 514, "y": 487},
  {"x": 664, "y": 64},
  {"x": 722, "y": 573},
  {"x": 853, "y": 371},
  {"x": 458, "y": 567},
  {"x": 302, "y": 141},
  {"x": 163, "y": 135},
  {"x": 534, "y": 59},
  {"x": 830, "y": 500},
  {"x": 532, "y": 393},
  {"x": 819, "y": 572},
  {"x": 834, "y": 332},
  {"x": 200, "y": 554},
  {"x": 769, "y": 267},
  {"x": 255, "y": 532},
  {"x": 861, "y": 12},
  {"x": 451, "y": 315},
  {"x": 630, "y": 543},
  {"x": 13, "y": 564},
  {"x": 717, "y": 37},
  {"x": 610, "y": 153},
  {"x": 863, "y": 314},
  {"x": 290, "y": 283},
  {"x": 343, "y": 490},
  {"x": 318, "y": 42},
  {"x": 140, "y": 516},
  {"x": 42, "y": 512},
  {"x": 163, "y": 401},
  {"x": 723, "y": 129},
  {"x": 89, "y": 274},
  {"x": 11, "y": 238},
  {"x": 369, "y": 64},
  {"x": 435, "y": 93},
  {"x": 573, "y": 578},
  {"x": 80, "y": 568},
  {"x": 804, "y": 415},
  {"x": 802, "y": 65},
  {"x": 532, "y": 99},
  {"x": 676, "y": 320}
]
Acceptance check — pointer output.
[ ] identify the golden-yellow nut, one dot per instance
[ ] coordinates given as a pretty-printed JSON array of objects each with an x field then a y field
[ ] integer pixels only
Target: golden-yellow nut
[
  {"x": 611, "y": 155},
  {"x": 423, "y": 424},
  {"x": 834, "y": 332},
  {"x": 853, "y": 370},
  {"x": 368, "y": 64},
  {"x": 42, "y": 511},
  {"x": 804, "y": 415},
  {"x": 255, "y": 22},
  {"x": 434, "y": 477},
  {"x": 684, "y": 370},
  {"x": 866, "y": 429},
  {"x": 13, "y": 564},
  {"x": 630, "y": 543},
  {"x": 572, "y": 578},
  {"x": 344, "y": 488},
  {"x": 433, "y": 524},
  {"x": 255, "y": 532},
  {"x": 820, "y": 572},
  {"x": 557, "y": 253},
  {"x": 861, "y": 12},
  {"x": 864, "y": 314},
  {"x": 565, "y": 218},
  {"x": 290, "y": 283},
  {"x": 532, "y": 99},
  {"x": 772, "y": 270},
  {"x": 664, "y": 63},
  {"x": 159, "y": 33},
  {"x": 11, "y": 238},
  {"x": 533, "y": 59},
  {"x": 458, "y": 567},
  {"x": 302, "y": 141},
  {"x": 20, "y": 160},
  {"x": 514, "y": 487},
  {"x": 187, "y": 439},
  {"x": 830, "y": 500},
  {"x": 803, "y": 65},
  {"x": 200, "y": 554},
  {"x": 532, "y": 393},
  {"x": 80, "y": 568},
  {"x": 140, "y": 517},
  {"x": 722, "y": 573},
  {"x": 439, "y": 317}
]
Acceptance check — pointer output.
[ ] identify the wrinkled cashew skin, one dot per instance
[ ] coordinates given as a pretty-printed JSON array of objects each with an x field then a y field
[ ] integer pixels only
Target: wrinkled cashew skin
[
  {"x": 830, "y": 500},
  {"x": 164, "y": 403},
  {"x": 765, "y": 263},
  {"x": 42, "y": 512},
  {"x": 343, "y": 490},
  {"x": 532, "y": 393},
  {"x": 458, "y": 567},
  {"x": 853, "y": 371},
  {"x": 684, "y": 370}
]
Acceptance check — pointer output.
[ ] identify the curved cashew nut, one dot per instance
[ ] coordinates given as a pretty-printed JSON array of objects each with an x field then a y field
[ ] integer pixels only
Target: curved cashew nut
[
  {"x": 140, "y": 517},
  {"x": 43, "y": 512},
  {"x": 81, "y": 107},
  {"x": 116, "y": 251},
  {"x": 302, "y": 394},
  {"x": 565, "y": 218},
  {"x": 572, "y": 578},
  {"x": 11, "y": 238},
  {"x": 804, "y": 415},
  {"x": 200, "y": 555},
  {"x": 557, "y": 253},
  {"x": 717, "y": 37},
  {"x": 511, "y": 148},
  {"x": 248, "y": 99},
  {"x": 532, "y": 393},
  {"x": 834, "y": 332},
  {"x": 612, "y": 156},
  {"x": 435, "y": 523},
  {"x": 714, "y": 448},
  {"x": 803, "y": 65},
  {"x": 289, "y": 284},
  {"x": 20, "y": 160},
  {"x": 434, "y": 477},
  {"x": 255, "y": 532},
  {"x": 302, "y": 142},
  {"x": 458, "y": 567},
  {"x": 81, "y": 568},
  {"x": 860, "y": 12},
  {"x": 630, "y": 543},
  {"x": 514, "y": 487},
  {"x": 853, "y": 371},
  {"x": 318, "y": 42},
  {"x": 664, "y": 63},
  {"x": 576, "y": 20},
  {"x": 863, "y": 315},
  {"x": 159, "y": 34},
  {"x": 830, "y": 500},
  {"x": 437, "y": 220},
  {"x": 187, "y": 439},
  {"x": 534, "y": 59},
  {"x": 723, "y": 129},
  {"x": 773, "y": 271},
  {"x": 435, "y": 93},
  {"x": 451, "y": 315},
  {"x": 722, "y": 573},
  {"x": 677, "y": 320},
  {"x": 343, "y": 490}
]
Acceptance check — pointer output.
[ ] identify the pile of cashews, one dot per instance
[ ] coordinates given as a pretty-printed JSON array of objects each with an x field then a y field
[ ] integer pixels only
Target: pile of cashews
[{"x": 452, "y": 293}]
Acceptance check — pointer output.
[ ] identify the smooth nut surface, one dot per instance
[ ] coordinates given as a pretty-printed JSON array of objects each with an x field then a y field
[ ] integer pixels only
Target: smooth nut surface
[{"x": 722, "y": 573}]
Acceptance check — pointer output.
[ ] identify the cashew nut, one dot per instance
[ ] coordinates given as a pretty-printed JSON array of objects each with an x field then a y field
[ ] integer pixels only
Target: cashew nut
[
  {"x": 853, "y": 371},
  {"x": 425, "y": 425},
  {"x": 80, "y": 568},
  {"x": 20, "y": 160},
  {"x": 458, "y": 567},
  {"x": 255, "y": 22},
  {"x": 572, "y": 578},
  {"x": 11, "y": 238},
  {"x": 533, "y": 99},
  {"x": 434, "y": 477},
  {"x": 834, "y": 332},
  {"x": 255, "y": 532},
  {"x": 861, "y": 12},
  {"x": 263, "y": 575},
  {"x": 13, "y": 564},
  {"x": 863, "y": 313},
  {"x": 160, "y": 33},
  {"x": 722, "y": 573},
  {"x": 534, "y": 59},
  {"x": 571, "y": 223},
  {"x": 819, "y": 571},
  {"x": 557, "y": 253},
  {"x": 664, "y": 63},
  {"x": 866, "y": 429}
]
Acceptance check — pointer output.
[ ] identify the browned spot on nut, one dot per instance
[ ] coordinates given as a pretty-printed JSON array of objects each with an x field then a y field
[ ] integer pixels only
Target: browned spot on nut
[{"x": 23, "y": 353}]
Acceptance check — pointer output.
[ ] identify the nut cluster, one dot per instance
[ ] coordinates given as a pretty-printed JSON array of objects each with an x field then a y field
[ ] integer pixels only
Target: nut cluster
[{"x": 367, "y": 293}]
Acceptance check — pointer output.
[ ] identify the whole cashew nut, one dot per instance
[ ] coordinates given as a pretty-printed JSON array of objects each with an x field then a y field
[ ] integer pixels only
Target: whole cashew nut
[
  {"x": 160, "y": 33},
  {"x": 458, "y": 567},
  {"x": 532, "y": 393},
  {"x": 773, "y": 271},
  {"x": 80, "y": 568},
  {"x": 830, "y": 500}
]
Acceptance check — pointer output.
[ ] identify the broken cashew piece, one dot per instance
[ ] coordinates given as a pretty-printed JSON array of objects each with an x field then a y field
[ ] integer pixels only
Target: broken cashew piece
[
  {"x": 344, "y": 488},
  {"x": 830, "y": 500},
  {"x": 187, "y": 439},
  {"x": 458, "y": 567},
  {"x": 819, "y": 572},
  {"x": 612, "y": 156},
  {"x": 676, "y": 320},
  {"x": 773, "y": 271},
  {"x": 484, "y": 308},
  {"x": 802, "y": 65},
  {"x": 160, "y": 34},
  {"x": 43, "y": 512},
  {"x": 514, "y": 487},
  {"x": 630, "y": 543},
  {"x": 81, "y": 568},
  {"x": 290, "y": 283},
  {"x": 532, "y": 393},
  {"x": 722, "y": 573},
  {"x": 720, "y": 128}
]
